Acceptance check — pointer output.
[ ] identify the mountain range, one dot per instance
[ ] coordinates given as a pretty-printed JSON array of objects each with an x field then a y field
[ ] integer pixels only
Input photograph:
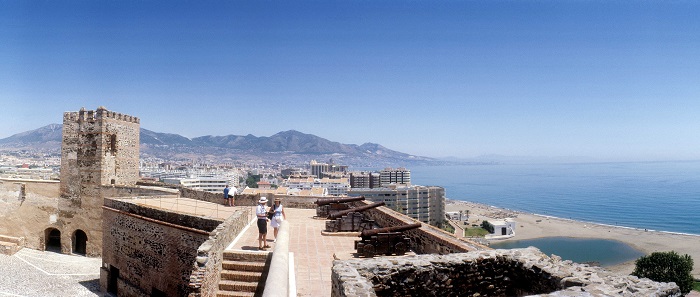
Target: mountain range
[{"x": 286, "y": 146}]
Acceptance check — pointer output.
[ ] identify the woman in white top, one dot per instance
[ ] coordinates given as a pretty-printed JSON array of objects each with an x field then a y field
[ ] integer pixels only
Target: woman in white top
[
  {"x": 261, "y": 213},
  {"x": 278, "y": 217}
]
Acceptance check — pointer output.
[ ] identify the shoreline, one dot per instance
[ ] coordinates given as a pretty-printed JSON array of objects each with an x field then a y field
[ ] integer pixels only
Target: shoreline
[{"x": 532, "y": 226}]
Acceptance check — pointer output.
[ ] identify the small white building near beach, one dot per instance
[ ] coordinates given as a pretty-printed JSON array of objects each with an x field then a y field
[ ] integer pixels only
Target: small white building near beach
[{"x": 502, "y": 229}]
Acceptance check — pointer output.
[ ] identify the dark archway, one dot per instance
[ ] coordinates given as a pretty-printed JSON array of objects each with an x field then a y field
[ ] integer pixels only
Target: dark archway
[
  {"x": 53, "y": 240},
  {"x": 79, "y": 242}
]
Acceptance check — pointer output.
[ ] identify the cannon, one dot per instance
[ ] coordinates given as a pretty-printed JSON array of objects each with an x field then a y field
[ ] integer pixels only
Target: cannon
[
  {"x": 325, "y": 207},
  {"x": 387, "y": 241},
  {"x": 351, "y": 220}
]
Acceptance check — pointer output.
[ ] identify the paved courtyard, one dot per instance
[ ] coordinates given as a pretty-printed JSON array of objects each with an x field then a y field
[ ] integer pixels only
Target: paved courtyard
[{"x": 36, "y": 273}]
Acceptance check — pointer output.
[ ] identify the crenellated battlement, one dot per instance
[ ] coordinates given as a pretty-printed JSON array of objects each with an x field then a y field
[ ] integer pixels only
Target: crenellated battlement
[{"x": 101, "y": 113}]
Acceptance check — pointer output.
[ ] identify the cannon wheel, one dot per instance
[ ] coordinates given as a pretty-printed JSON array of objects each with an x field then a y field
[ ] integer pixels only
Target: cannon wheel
[
  {"x": 368, "y": 251},
  {"x": 400, "y": 248}
]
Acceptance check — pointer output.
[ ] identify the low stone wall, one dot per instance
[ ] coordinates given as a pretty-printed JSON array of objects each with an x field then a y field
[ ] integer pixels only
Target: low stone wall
[
  {"x": 204, "y": 280},
  {"x": 516, "y": 272},
  {"x": 217, "y": 198},
  {"x": 426, "y": 239},
  {"x": 303, "y": 202},
  {"x": 182, "y": 219},
  {"x": 277, "y": 283},
  {"x": 291, "y": 201},
  {"x": 124, "y": 191}
]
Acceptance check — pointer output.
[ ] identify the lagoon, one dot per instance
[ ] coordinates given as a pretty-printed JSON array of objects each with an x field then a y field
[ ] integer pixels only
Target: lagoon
[{"x": 582, "y": 250}]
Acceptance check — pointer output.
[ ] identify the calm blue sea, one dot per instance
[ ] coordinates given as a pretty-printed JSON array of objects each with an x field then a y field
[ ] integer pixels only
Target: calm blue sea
[{"x": 661, "y": 196}]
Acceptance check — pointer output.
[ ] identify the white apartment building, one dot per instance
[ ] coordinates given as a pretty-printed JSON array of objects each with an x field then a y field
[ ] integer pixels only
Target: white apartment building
[
  {"x": 426, "y": 204},
  {"x": 333, "y": 186},
  {"x": 208, "y": 184}
]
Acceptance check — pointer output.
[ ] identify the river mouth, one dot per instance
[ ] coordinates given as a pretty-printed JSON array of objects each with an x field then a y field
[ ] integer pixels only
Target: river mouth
[{"x": 594, "y": 251}]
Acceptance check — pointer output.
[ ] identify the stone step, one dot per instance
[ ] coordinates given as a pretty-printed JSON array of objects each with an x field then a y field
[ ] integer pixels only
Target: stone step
[
  {"x": 222, "y": 293},
  {"x": 228, "y": 285},
  {"x": 9, "y": 248},
  {"x": 250, "y": 256},
  {"x": 17, "y": 240},
  {"x": 243, "y": 276},
  {"x": 243, "y": 266}
]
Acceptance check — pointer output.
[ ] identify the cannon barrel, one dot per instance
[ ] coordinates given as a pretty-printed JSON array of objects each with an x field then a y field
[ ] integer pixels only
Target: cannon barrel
[
  {"x": 327, "y": 201},
  {"x": 368, "y": 233},
  {"x": 341, "y": 213}
]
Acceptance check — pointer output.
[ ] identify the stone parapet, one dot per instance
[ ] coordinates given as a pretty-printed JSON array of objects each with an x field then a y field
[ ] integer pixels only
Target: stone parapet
[{"x": 516, "y": 272}]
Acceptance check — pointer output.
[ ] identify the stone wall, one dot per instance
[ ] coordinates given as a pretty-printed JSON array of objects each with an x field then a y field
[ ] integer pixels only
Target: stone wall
[
  {"x": 28, "y": 208},
  {"x": 516, "y": 272},
  {"x": 153, "y": 250},
  {"x": 291, "y": 201},
  {"x": 426, "y": 239},
  {"x": 204, "y": 280}
]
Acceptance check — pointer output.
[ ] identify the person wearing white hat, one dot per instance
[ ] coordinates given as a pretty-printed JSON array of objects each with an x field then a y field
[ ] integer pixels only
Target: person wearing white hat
[{"x": 261, "y": 213}]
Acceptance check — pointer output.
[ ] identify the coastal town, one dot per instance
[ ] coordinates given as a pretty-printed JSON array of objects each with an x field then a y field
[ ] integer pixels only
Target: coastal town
[{"x": 389, "y": 192}]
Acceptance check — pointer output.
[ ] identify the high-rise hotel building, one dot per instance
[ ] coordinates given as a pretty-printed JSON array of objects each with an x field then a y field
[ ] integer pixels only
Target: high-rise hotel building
[
  {"x": 395, "y": 176},
  {"x": 423, "y": 203}
]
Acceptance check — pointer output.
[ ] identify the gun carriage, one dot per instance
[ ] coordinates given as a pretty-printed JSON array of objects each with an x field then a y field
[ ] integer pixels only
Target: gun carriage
[{"x": 386, "y": 241}]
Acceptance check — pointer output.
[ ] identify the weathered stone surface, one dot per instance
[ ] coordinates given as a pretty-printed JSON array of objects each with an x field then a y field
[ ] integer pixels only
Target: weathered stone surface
[{"x": 518, "y": 272}]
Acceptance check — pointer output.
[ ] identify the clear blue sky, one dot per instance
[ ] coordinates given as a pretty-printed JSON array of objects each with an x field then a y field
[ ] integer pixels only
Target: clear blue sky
[{"x": 611, "y": 80}]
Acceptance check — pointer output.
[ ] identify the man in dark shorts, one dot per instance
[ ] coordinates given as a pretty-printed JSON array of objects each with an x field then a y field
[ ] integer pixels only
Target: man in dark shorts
[
  {"x": 261, "y": 213},
  {"x": 226, "y": 196}
]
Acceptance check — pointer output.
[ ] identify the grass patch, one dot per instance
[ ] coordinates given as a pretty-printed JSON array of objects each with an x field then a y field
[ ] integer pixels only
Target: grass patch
[
  {"x": 475, "y": 232},
  {"x": 447, "y": 227},
  {"x": 696, "y": 286}
]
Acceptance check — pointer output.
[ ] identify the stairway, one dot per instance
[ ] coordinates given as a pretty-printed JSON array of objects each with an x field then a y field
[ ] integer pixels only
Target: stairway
[
  {"x": 10, "y": 245},
  {"x": 243, "y": 273}
]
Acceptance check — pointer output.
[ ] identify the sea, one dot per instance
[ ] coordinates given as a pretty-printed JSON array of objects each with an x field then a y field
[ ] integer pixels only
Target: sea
[{"x": 660, "y": 196}]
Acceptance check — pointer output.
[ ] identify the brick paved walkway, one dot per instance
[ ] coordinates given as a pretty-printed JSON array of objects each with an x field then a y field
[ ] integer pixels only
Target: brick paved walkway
[{"x": 313, "y": 252}]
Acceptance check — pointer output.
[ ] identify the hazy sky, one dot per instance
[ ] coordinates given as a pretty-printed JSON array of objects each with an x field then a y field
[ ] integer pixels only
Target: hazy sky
[{"x": 611, "y": 80}]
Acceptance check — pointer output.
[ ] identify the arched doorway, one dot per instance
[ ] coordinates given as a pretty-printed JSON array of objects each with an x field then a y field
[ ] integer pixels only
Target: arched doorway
[
  {"x": 53, "y": 240},
  {"x": 79, "y": 242}
]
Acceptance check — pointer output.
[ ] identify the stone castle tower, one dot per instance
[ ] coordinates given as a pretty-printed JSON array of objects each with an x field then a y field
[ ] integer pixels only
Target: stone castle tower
[
  {"x": 99, "y": 148},
  {"x": 99, "y": 156}
]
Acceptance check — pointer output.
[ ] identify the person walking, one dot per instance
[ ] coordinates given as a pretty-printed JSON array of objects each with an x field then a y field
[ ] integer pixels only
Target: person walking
[
  {"x": 261, "y": 213},
  {"x": 278, "y": 217}
]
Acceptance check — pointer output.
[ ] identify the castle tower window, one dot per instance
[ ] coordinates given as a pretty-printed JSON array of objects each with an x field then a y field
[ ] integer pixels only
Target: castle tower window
[{"x": 113, "y": 143}]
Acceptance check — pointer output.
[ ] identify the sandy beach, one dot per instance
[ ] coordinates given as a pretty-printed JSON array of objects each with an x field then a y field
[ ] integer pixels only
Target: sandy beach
[{"x": 531, "y": 226}]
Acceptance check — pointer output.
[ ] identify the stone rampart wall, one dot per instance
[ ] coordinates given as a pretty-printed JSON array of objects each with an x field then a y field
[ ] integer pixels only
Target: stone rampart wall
[
  {"x": 151, "y": 249},
  {"x": 426, "y": 239},
  {"x": 204, "y": 280},
  {"x": 516, "y": 272}
]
